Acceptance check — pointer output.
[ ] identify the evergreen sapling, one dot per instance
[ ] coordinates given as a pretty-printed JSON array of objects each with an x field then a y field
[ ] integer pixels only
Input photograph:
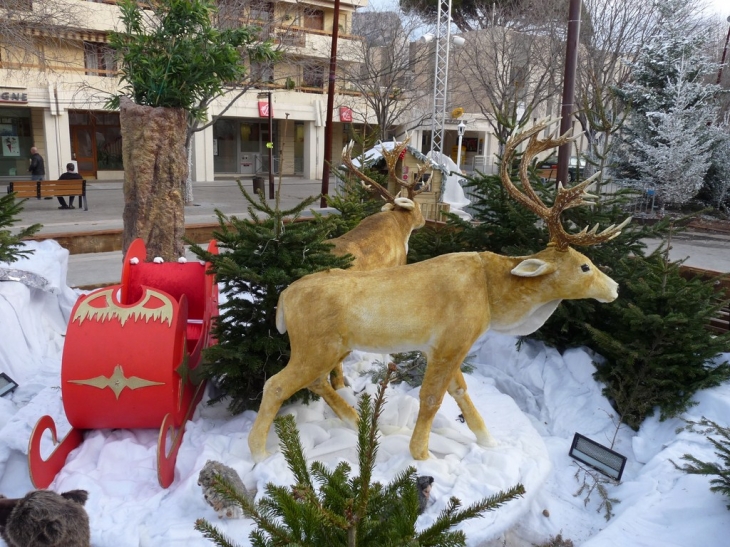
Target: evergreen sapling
[{"x": 331, "y": 507}]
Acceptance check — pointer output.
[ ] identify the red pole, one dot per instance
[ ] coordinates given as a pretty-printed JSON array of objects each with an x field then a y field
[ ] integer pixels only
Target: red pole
[
  {"x": 330, "y": 107},
  {"x": 566, "y": 109}
]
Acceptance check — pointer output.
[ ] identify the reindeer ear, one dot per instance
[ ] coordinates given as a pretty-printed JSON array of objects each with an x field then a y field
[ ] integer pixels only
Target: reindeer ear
[
  {"x": 405, "y": 203},
  {"x": 533, "y": 267}
]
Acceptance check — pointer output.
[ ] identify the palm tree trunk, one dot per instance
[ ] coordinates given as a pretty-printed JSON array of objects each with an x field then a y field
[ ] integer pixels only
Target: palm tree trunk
[{"x": 155, "y": 171}]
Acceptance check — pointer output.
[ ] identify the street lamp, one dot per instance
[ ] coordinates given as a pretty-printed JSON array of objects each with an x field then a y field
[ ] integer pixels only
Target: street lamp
[{"x": 461, "y": 128}]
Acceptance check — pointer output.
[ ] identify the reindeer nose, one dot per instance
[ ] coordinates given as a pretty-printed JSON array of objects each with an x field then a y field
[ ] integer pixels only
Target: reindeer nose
[{"x": 610, "y": 292}]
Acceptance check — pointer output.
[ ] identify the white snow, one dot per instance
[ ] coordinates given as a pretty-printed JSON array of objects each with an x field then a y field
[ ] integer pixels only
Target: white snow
[{"x": 533, "y": 400}]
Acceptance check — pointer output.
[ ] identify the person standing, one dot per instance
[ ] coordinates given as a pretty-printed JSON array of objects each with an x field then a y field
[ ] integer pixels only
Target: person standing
[
  {"x": 70, "y": 174},
  {"x": 37, "y": 166}
]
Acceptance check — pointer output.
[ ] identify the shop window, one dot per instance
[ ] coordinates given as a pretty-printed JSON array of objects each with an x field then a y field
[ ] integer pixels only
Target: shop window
[
  {"x": 108, "y": 141},
  {"x": 16, "y": 138},
  {"x": 99, "y": 60}
]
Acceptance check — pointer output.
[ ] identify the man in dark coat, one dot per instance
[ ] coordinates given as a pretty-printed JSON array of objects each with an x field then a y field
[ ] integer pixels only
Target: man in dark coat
[
  {"x": 68, "y": 175},
  {"x": 37, "y": 166}
]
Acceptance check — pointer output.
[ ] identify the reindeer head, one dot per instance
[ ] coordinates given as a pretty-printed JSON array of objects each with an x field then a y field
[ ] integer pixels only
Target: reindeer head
[{"x": 399, "y": 201}]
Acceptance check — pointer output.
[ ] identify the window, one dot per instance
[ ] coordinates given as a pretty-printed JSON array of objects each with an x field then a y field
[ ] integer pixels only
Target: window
[
  {"x": 313, "y": 76},
  {"x": 24, "y": 5},
  {"x": 99, "y": 60},
  {"x": 262, "y": 11},
  {"x": 313, "y": 19},
  {"x": 108, "y": 141},
  {"x": 262, "y": 72}
]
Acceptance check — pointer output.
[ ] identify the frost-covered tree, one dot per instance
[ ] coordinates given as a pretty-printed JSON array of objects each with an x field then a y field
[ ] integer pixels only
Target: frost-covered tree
[
  {"x": 669, "y": 92},
  {"x": 677, "y": 156},
  {"x": 717, "y": 182}
]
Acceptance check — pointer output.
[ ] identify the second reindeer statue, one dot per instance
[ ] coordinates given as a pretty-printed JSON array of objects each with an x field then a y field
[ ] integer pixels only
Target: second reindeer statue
[
  {"x": 381, "y": 240},
  {"x": 329, "y": 314}
]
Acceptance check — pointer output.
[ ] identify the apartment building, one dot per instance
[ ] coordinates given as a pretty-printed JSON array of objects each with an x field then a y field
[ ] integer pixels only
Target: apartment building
[{"x": 56, "y": 73}]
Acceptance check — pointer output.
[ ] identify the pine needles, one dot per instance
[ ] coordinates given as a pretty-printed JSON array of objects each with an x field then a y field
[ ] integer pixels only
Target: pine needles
[
  {"x": 334, "y": 508},
  {"x": 720, "y": 470},
  {"x": 10, "y": 243}
]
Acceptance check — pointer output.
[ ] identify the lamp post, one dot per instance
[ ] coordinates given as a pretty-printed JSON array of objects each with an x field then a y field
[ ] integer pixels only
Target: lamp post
[
  {"x": 566, "y": 108},
  {"x": 270, "y": 144},
  {"x": 461, "y": 128},
  {"x": 330, "y": 107},
  {"x": 724, "y": 52}
]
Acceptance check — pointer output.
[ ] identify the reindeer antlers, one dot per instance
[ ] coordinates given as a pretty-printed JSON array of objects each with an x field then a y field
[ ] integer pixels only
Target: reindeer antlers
[
  {"x": 565, "y": 198},
  {"x": 391, "y": 159}
]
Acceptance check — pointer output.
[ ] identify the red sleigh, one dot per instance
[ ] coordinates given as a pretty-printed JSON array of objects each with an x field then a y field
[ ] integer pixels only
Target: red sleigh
[{"x": 130, "y": 358}]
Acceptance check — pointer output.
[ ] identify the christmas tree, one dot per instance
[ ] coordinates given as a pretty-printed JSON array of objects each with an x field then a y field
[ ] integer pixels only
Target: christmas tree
[{"x": 260, "y": 256}]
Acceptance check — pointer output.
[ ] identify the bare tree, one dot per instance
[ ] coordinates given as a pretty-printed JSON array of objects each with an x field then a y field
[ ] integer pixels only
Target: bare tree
[
  {"x": 385, "y": 73},
  {"x": 37, "y": 35},
  {"x": 510, "y": 74},
  {"x": 619, "y": 29}
]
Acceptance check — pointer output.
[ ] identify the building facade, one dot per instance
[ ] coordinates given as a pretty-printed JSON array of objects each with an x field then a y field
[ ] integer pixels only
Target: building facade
[{"x": 56, "y": 77}]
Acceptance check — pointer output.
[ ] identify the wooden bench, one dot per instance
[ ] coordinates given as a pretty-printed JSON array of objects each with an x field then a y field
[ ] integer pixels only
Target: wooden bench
[{"x": 50, "y": 188}]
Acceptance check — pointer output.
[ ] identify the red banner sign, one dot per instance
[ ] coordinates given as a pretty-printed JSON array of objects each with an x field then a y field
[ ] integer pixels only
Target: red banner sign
[
  {"x": 264, "y": 109},
  {"x": 345, "y": 114}
]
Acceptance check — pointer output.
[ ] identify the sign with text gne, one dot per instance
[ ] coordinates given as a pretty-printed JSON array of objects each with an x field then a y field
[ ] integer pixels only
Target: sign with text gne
[
  {"x": 345, "y": 114},
  {"x": 13, "y": 96}
]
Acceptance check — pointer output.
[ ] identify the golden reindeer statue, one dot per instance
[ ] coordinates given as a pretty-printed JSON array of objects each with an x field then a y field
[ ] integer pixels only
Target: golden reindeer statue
[
  {"x": 329, "y": 314},
  {"x": 381, "y": 240}
]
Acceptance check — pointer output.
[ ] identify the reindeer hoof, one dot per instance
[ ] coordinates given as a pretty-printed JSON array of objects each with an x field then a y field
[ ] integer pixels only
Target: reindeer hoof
[
  {"x": 259, "y": 454},
  {"x": 419, "y": 452},
  {"x": 486, "y": 441}
]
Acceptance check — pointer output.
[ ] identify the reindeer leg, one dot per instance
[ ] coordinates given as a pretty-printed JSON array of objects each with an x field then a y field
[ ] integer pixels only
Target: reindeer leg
[
  {"x": 343, "y": 410},
  {"x": 277, "y": 389},
  {"x": 439, "y": 373},
  {"x": 457, "y": 389},
  {"x": 337, "y": 378}
]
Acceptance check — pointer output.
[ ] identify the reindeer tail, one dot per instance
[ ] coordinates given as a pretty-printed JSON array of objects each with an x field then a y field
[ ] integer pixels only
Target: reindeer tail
[{"x": 280, "y": 319}]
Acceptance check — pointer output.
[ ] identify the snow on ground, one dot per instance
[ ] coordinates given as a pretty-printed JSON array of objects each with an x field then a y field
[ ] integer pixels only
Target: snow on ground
[{"x": 532, "y": 399}]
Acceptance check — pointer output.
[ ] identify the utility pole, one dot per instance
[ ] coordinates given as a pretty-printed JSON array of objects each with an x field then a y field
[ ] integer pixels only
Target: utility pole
[
  {"x": 566, "y": 109},
  {"x": 330, "y": 107}
]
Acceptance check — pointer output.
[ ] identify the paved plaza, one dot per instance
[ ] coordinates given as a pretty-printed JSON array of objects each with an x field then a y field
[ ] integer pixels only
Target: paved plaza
[{"x": 106, "y": 204}]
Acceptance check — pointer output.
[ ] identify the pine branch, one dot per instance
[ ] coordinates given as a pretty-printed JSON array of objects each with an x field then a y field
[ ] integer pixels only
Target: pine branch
[
  {"x": 211, "y": 532},
  {"x": 292, "y": 450},
  {"x": 451, "y": 515}
]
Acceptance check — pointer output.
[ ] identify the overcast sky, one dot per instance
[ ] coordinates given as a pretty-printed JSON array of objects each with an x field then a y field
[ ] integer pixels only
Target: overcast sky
[{"x": 720, "y": 6}]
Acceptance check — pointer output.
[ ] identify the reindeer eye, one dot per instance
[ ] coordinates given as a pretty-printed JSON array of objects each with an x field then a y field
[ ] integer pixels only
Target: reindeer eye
[{"x": 585, "y": 267}]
